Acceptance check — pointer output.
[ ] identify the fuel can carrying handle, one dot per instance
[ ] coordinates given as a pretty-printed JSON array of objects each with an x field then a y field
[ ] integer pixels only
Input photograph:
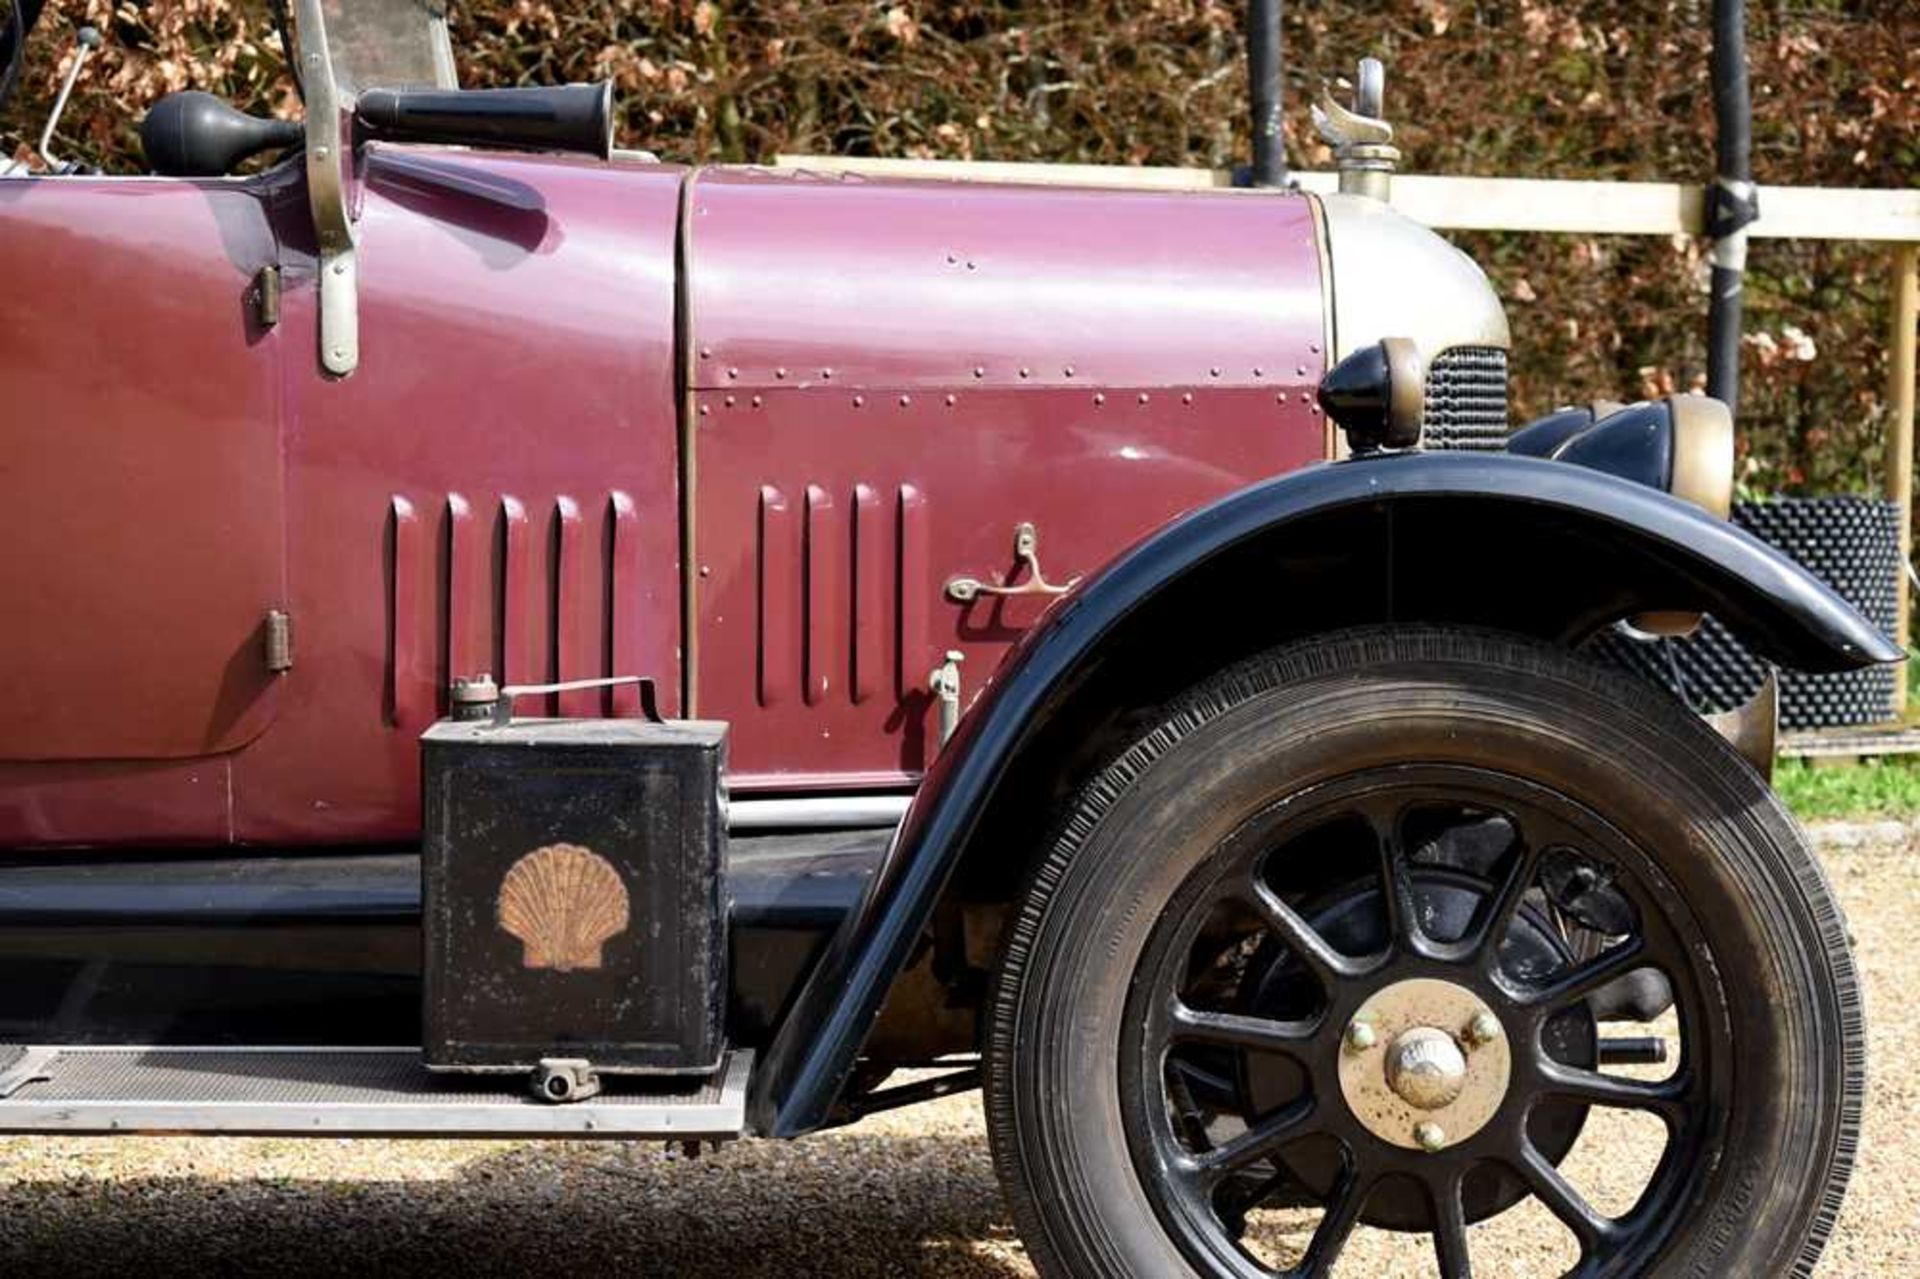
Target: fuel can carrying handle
[{"x": 480, "y": 698}]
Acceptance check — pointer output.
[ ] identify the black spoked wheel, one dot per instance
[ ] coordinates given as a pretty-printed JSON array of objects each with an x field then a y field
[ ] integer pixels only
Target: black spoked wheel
[
  {"x": 1347, "y": 943},
  {"x": 1421, "y": 1021}
]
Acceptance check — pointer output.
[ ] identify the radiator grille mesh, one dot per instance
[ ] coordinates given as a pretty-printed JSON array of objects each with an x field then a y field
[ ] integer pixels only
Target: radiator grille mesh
[{"x": 1467, "y": 399}]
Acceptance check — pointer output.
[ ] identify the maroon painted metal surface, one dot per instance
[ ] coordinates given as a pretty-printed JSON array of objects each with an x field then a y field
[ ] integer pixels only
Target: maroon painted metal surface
[
  {"x": 472, "y": 493},
  {"x": 884, "y": 379},
  {"x": 498, "y": 476},
  {"x": 140, "y": 480},
  {"x": 890, "y": 377}
]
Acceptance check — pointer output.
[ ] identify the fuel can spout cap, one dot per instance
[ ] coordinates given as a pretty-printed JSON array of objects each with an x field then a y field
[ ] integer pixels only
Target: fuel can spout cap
[{"x": 1360, "y": 136}]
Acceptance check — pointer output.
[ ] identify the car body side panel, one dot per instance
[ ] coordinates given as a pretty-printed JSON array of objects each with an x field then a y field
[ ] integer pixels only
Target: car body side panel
[
  {"x": 78, "y": 802},
  {"x": 890, "y": 377},
  {"x": 140, "y": 478},
  {"x": 496, "y": 489}
]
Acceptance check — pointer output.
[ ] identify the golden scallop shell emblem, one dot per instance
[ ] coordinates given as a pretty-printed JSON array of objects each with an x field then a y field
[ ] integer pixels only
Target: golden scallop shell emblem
[{"x": 563, "y": 902}]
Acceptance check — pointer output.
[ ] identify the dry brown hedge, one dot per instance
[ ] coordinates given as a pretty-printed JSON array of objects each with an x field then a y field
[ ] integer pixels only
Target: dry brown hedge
[{"x": 1516, "y": 87}]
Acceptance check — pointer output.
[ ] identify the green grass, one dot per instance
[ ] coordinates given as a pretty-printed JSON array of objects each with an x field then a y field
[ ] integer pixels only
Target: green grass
[
  {"x": 1887, "y": 787},
  {"x": 1871, "y": 788}
]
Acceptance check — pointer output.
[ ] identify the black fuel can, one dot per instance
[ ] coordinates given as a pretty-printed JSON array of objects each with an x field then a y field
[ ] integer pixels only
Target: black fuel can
[{"x": 573, "y": 877}]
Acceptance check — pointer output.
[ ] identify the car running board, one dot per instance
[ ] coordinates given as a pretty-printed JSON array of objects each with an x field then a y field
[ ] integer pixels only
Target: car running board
[{"x": 335, "y": 1092}]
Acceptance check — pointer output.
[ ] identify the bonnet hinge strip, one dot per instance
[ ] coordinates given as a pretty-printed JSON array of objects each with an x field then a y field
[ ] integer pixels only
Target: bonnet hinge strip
[{"x": 327, "y": 167}]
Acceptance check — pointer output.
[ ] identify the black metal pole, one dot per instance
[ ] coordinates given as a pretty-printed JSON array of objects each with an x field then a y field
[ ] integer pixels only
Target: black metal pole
[
  {"x": 1731, "y": 205},
  {"x": 1264, "y": 70},
  {"x": 13, "y": 37}
]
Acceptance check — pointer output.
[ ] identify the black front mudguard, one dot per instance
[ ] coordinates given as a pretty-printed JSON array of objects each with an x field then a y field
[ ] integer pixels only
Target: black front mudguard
[{"x": 1555, "y": 551}]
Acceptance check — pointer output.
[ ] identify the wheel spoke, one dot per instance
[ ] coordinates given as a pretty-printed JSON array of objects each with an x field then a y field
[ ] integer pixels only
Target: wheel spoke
[
  {"x": 1586, "y": 978},
  {"x": 1257, "y": 1142},
  {"x": 1396, "y": 875},
  {"x": 1666, "y": 1098},
  {"x": 1500, "y": 908},
  {"x": 1450, "y": 1229},
  {"x": 1192, "y": 1094},
  {"x": 1562, "y": 1200},
  {"x": 1214, "y": 1088},
  {"x": 1342, "y": 1214},
  {"x": 1396, "y": 882},
  {"x": 1237, "y": 1199},
  {"x": 1235, "y": 1030},
  {"x": 1326, "y": 963}
]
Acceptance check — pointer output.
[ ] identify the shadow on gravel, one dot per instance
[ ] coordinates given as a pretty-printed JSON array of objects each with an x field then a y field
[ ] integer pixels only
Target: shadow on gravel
[{"x": 849, "y": 1205}]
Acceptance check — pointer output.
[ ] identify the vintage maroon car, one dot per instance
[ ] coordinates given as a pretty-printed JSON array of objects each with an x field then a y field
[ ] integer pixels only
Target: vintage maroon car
[{"x": 701, "y": 640}]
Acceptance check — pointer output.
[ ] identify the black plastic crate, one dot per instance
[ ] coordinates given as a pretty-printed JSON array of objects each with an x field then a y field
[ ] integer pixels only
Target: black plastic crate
[
  {"x": 1850, "y": 543},
  {"x": 574, "y": 903}
]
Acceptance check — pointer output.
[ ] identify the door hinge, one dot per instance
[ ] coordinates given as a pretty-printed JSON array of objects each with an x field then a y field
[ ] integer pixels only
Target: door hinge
[
  {"x": 266, "y": 296},
  {"x": 279, "y": 641}
]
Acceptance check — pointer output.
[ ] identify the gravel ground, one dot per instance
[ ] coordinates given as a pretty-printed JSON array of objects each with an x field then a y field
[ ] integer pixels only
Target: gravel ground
[{"x": 911, "y": 1193}]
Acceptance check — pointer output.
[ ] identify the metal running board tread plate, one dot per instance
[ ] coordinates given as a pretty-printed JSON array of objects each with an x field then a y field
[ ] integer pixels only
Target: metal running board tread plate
[{"x": 339, "y": 1092}]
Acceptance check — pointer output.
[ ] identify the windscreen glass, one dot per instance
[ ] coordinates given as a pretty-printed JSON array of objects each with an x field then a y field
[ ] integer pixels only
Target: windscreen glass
[{"x": 388, "y": 44}]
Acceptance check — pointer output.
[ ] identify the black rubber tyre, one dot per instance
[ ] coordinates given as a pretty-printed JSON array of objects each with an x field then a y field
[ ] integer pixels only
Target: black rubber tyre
[{"x": 1781, "y": 1056}]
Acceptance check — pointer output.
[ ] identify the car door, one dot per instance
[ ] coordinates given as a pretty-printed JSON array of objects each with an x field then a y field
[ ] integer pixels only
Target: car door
[{"x": 140, "y": 467}]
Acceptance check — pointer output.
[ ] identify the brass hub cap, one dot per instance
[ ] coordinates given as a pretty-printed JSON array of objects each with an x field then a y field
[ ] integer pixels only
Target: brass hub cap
[{"x": 1424, "y": 1064}]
